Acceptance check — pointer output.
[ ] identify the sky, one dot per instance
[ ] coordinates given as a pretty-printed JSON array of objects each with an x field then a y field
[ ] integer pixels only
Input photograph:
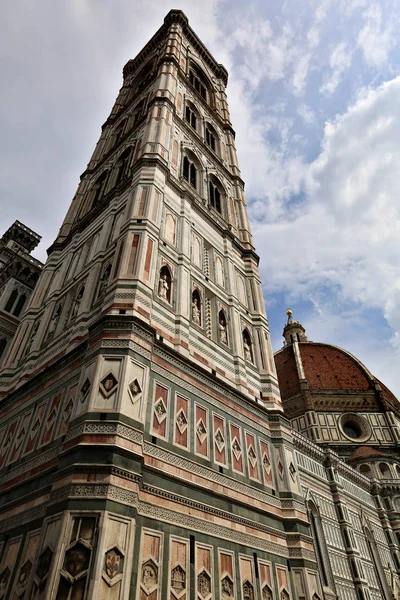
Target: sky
[{"x": 314, "y": 97}]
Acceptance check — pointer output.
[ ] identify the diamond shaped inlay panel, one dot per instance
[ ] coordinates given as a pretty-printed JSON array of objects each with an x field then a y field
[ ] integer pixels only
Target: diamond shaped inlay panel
[{"x": 160, "y": 410}]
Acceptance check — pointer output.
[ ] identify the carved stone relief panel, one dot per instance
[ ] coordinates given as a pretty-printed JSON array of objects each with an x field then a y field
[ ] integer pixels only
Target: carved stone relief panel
[
  {"x": 117, "y": 542},
  {"x": 7, "y": 564},
  {"x": 20, "y": 437},
  {"x": 50, "y": 420},
  {"x": 266, "y": 464},
  {"x": 150, "y": 571},
  {"x": 181, "y": 421},
  {"x": 44, "y": 562},
  {"x": 236, "y": 448},
  {"x": 226, "y": 564},
  {"x": 179, "y": 569},
  {"x": 252, "y": 458},
  {"x": 86, "y": 388},
  {"x": 247, "y": 578},
  {"x": 133, "y": 401},
  {"x": 283, "y": 582},
  {"x": 201, "y": 430},
  {"x": 204, "y": 572},
  {"x": 219, "y": 435},
  {"x": 109, "y": 374},
  {"x": 76, "y": 564},
  {"x": 160, "y": 410},
  {"x": 25, "y": 566},
  {"x": 68, "y": 409},
  {"x": 7, "y": 441},
  {"x": 266, "y": 579}
]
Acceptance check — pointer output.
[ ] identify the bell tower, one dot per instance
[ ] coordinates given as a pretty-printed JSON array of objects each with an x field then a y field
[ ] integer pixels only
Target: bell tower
[{"x": 141, "y": 381}]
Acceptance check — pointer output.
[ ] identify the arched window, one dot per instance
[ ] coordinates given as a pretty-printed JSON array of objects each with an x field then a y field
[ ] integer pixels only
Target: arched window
[
  {"x": 122, "y": 166},
  {"x": 215, "y": 193},
  {"x": 247, "y": 345},
  {"x": 164, "y": 284},
  {"x": 366, "y": 470},
  {"x": 191, "y": 116},
  {"x": 99, "y": 187},
  {"x": 3, "y": 344},
  {"x": 199, "y": 80},
  {"x": 11, "y": 300},
  {"x": 77, "y": 302},
  {"x": 119, "y": 132},
  {"x": 196, "y": 307},
  {"x": 222, "y": 327},
  {"x": 320, "y": 547},
  {"x": 20, "y": 305},
  {"x": 104, "y": 280},
  {"x": 384, "y": 470},
  {"x": 54, "y": 321},
  {"x": 212, "y": 139},
  {"x": 139, "y": 111},
  {"x": 190, "y": 172}
]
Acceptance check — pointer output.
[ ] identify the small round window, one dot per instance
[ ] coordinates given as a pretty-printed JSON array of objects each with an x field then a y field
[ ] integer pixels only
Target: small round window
[{"x": 354, "y": 427}]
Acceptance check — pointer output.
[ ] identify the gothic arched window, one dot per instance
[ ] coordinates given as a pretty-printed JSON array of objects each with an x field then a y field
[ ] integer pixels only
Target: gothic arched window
[
  {"x": 190, "y": 172},
  {"x": 215, "y": 193},
  {"x": 11, "y": 300},
  {"x": 99, "y": 187},
  {"x": 320, "y": 546},
  {"x": 164, "y": 284},
  {"x": 122, "y": 166},
  {"x": 196, "y": 307},
  {"x": 119, "y": 132},
  {"x": 200, "y": 81},
  {"x": 139, "y": 111},
  {"x": 20, "y": 305},
  {"x": 212, "y": 139},
  {"x": 191, "y": 116},
  {"x": 247, "y": 345}
]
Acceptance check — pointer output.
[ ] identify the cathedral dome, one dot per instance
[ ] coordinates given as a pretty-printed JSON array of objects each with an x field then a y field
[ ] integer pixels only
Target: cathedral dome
[{"x": 324, "y": 387}]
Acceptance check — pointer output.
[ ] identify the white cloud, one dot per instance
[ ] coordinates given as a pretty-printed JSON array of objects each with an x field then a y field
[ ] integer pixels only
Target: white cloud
[
  {"x": 344, "y": 239},
  {"x": 377, "y": 37},
  {"x": 339, "y": 61}
]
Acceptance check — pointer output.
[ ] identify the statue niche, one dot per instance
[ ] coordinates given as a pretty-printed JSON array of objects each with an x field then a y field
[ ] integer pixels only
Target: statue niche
[
  {"x": 164, "y": 284},
  {"x": 196, "y": 307},
  {"x": 222, "y": 326}
]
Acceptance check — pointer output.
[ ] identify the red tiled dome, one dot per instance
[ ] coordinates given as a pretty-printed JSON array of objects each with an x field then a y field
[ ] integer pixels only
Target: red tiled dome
[{"x": 330, "y": 368}]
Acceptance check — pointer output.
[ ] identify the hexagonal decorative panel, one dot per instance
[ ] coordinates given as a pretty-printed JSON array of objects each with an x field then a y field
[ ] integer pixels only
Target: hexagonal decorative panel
[
  {"x": 43, "y": 564},
  {"x": 178, "y": 580},
  {"x": 113, "y": 563},
  {"x": 76, "y": 559},
  {"x": 248, "y": 590},
  {"x": 227, "y": 587},
  {"x": 267, "y": 593},
  {"x": 204, "y": 584},
  {"x": 149, "y": 576}
]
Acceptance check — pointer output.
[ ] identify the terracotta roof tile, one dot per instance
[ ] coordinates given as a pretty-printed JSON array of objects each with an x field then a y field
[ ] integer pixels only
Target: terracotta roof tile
[
  {"x": 364, "y": 452},
  {"x": 330, "y": 368}
]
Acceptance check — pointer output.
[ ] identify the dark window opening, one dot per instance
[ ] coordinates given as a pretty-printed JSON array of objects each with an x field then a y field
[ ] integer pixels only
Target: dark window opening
[
  {"x": 210, "y": 139},
  {"x": 215, "y": 196},
  {"x": 191, "y": 117},
  {"x": 190, "y": 172},
  {"x": 20, "y": 305},
  {"x": 198, "y": 86},
  {"x": 11, "y": 300}
]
